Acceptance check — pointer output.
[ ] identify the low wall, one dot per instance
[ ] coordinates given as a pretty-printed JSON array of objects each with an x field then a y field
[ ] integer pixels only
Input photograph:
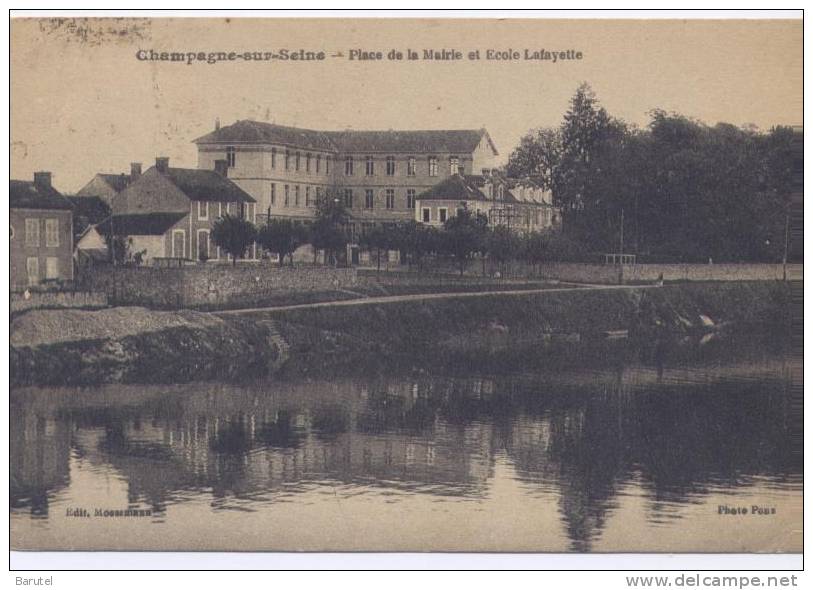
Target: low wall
[
  {"x": 212, "y": 286},
  {"x": 605, "y": 273},
  {"x": 60, "y": 299}
]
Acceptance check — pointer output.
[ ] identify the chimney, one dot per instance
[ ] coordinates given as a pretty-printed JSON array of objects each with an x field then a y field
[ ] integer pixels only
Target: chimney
[
  {"x": 162, "y": 165},
  {"x": 135, "y": 171},
  {"x": 217, "y": 123},
  {"x": 222, "y": 168},
  {"x": 42, "y": 179}
]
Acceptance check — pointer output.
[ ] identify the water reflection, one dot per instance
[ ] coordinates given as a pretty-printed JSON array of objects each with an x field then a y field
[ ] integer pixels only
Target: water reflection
[{"x": 584, "y": 439}]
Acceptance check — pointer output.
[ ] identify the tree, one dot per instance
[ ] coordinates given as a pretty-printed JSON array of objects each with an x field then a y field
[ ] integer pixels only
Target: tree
[
  {"x": 282, "y": 237},
  {"x": 538, "y": 155},
  {"x": 502, "y": 244},
  {"x": 418, "y": 240},
  {"x": 327, "y": 232},
  {"x": 378, "y": 238},
  {"x": 234, "y": 235},
  {"x": 463, "y": 235}
]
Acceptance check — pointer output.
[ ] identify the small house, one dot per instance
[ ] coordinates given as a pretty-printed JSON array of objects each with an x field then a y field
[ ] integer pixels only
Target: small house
[
  {"x": 169, "y": 212},
  {"x": 41, "y": 227}
]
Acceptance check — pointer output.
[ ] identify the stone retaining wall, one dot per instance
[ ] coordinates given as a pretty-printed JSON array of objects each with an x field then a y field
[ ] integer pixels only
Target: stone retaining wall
[
  {"x": 212, "y": 285},
  {"x": 609, "y": 274}
]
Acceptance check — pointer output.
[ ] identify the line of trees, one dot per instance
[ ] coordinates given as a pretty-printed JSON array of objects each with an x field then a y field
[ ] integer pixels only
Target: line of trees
[
  {"x": 685, "y": 191},
  {"x": 463, "y": 237}
]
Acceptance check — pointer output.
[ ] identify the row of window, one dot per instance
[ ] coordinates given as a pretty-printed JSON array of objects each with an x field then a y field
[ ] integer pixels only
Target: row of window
[
  {"x": 293, "y": 196},
  {"x": 243, "y": 209},
  {"x": 312, "y": 163},
  {"x": 441, "y": 216},
  {"x": 32, "y": 233},
  {"x": 317, "y": 164},
  {"x": 390, "y": 167},
  {"x": 32, "y": 267},
  {"x": 369, "y": 198}
]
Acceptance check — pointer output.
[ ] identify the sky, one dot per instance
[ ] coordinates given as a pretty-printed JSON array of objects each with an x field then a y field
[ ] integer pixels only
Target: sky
[{"x": 82, "y": 103}]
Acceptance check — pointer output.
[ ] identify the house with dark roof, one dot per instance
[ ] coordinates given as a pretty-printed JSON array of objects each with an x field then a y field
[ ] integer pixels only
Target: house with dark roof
[
  {"x": 41, "y": 226},
  {"x": 169, "y": 212},
  {"x": 87, "y": 211},
  {"x": 519, "y": 204},
  {"x": 106, "y": 186},
  {"x": 378, "y": 174}
]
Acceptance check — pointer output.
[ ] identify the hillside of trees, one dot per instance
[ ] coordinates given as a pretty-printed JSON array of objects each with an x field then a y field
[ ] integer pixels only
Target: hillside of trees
[{"x": 686, "y": 191}]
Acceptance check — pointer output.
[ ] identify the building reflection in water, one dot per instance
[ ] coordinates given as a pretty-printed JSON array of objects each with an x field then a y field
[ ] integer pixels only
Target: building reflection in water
[{"x": 582, "y": 436}]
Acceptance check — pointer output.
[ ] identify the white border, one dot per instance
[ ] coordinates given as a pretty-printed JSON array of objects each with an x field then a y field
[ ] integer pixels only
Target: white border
[{"x": 50, "y": 561}]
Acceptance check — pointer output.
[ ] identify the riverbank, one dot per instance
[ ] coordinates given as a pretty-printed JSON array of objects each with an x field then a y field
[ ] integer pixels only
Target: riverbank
[{"x": 72, "y": 346}]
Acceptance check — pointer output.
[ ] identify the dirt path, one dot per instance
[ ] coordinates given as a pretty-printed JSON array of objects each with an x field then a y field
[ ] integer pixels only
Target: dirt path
[{"x": 430, "y": 296}]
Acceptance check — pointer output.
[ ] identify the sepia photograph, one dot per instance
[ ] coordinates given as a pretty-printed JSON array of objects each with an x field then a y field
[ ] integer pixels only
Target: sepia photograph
[{"x": 499, "y": 285}]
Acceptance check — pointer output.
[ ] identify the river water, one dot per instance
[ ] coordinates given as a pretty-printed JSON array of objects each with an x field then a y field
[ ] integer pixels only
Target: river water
[{"x": 594, "y": 450}]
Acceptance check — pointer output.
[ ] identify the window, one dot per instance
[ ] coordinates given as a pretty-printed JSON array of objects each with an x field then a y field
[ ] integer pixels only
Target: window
[
  {"x": 32, "y": 232},
  {"x": 443, "y": 213},
  {"x": 500, "y": 192},
  {"x": 433, "y": 166},
  {"x": 52, "y": 233},
  {"x": 307, "y": 196},
  {"x": 318, "y": 194},
  {"x": 52, "y": 267},
  {"x": 231, "y": 156},
  {"x": 203, "y": 210},
  {"x": 308, "y": 163},
  {"x": 348, "y": 166},
  {"x": 411, "y": 166},
  {"x": 296, "y": 164},
  {"x": 348, "y": 198},
  {"x": 369, "y": 166},
  {"x": 287, "y": 159},
  {"x": 390, "y": 165},
  {"x": 32, "y": 269},
  {"x": 369, "y": 198},
  {"x": 178, "y": 243},
  {"x": 410, "y": 198},
  {"x": 318, "y": 163},
  {"x": 327, "y": 165},
  {"x": 273, "y": 193},
  {"x": 287, "y": 195},
  {"x": 273, "y": 157},
  {"x": 296, "y": 196},
  {"x": 390, "y": 194},
  {"x": 203, "y": 245},
  {"x": 454, "y": 164},
  {"x": 425, "y": 215}
]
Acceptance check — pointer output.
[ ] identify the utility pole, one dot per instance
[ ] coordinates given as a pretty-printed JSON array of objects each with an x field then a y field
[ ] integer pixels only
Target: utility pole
[
  {"x": 787, "y": 239},
  {"x": 621, "y": 252}
]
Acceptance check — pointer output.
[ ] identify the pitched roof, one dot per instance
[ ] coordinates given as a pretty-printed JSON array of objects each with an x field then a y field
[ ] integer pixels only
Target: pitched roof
[
  {"x": 140, "y": 224},
  {"x": 94, "y": 209},
  {"x": 206, "y": 185},
  {"x": 454, "y": 188},
  {"x": 450, "y": 140},
  {"x": 24, "y": 194},
  {"x": 444, "y": 140},
  {"x": 118, "y": 182},
  {"x": 256, "y": 132}
]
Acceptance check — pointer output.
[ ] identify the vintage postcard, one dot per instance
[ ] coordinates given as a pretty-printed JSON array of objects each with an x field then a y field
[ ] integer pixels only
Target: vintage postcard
[{"x": 369, "y": 284}]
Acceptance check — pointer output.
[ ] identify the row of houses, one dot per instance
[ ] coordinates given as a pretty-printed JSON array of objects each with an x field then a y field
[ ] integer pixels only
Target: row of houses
[{"x": 260, "y": 171}]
